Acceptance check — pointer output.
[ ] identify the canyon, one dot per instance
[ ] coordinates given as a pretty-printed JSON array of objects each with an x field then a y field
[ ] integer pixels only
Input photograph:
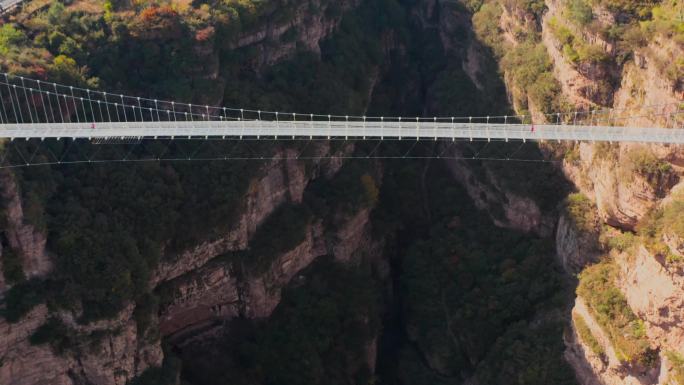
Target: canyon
[{"x": 455, "y": 262}]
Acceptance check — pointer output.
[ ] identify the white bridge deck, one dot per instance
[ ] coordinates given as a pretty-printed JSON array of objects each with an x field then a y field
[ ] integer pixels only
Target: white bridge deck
[{"x": 341, "y": 129}]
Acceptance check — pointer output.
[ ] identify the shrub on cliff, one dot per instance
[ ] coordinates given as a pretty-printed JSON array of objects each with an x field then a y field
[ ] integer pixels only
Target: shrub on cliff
[
  {"x": 55, "y": 333},
  {"x": 597, "y": 286},
  {"x": 10, "y": 37},
  {"x": 642, "y": 161},
  {"x": 281, "y": 232},
  {"x": 531, "y": 67},
  {"x": 586, "y": 336},
  {"x": 677, "y": 361},
  {"x": 579, "y": 11},
  {"x": 664, "y": 222},
  {"x": 11, "y": 266},
  {"x": 22, "y": 298},
  {"x": 319, "y": 334},
  {"x": 582, "y": 212}
]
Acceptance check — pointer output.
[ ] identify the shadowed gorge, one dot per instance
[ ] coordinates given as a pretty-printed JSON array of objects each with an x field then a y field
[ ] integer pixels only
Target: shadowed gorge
[{"x": 322, "y": 262}]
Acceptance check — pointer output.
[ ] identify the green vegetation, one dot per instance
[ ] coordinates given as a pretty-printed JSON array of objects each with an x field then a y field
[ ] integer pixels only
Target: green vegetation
[
  {"x": 22, "y": 298},
  {"x": 353, "y": 188},
  {"x": 635, "y": 8},
  {"x": 107, "y": 225},
  {"x": 643, "y": 161},
  {"x": 677, "y": 361},
  {"x": 63, "y": 338},
  {"x": 11, "y": 266},
  {"x": 579, "y": 11},
  {"x": 469, "y": 291},
  {"x": 667, "y": 20},
  {"x": 640, "y": 23},
  {"x": 673, "y": 216},
  {"x": 609, "y": 306},
  {"x": 574, "y": 48},
  {"x": 582, "y": 212},
  {"x": 281, "y": 232},
  {"x": 586, "y": 336},
  {"x": 527, "y": 64},
  {"x": 606, "y": 151},
  {"x": 662, "y": 222},
  {"x": 105, "y": 251},
  {"x": 523, "y": 342},
  {"x": 537, "y": 181},
  {"x": 317, "y": 335},
  {"x": 622, "y": 241},
  {"x": 10, "y": 37},
  {"x": 531, "y": 67},
  {"x": 167, "y": 374},
  {"x": 487, "y": 290},
  {"x": 56, "y": 333}
]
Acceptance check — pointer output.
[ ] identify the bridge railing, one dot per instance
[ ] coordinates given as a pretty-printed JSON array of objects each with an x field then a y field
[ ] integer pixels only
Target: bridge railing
[{"x": 26, "y": 101}]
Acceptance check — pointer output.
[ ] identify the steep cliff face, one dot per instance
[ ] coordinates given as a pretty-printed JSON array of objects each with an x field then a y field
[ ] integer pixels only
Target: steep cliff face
[
  {"x": 280, "y": 181},
  {"x": 124, "y": 352},
  {"x": 302, "y": 29},
  {"x": 575, "y": 248},
  {"x": 115, "y": 351},
  {"x": 202, "y": 289},
  {"x": 507, "y": 209},
  {"x": 620, "y": 180},
  {"x": 599, "y": 57},
  {"x": 654, "y": 290},
  {"x": 625, "y": 199},
  {"x": 109, "y": 352},
  {"x": 222, "y": 290},
  {"x": 22, "y": 238}
]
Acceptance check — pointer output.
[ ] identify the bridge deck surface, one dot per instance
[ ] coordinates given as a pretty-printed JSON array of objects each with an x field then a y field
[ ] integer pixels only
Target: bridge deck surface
[{"x": 325, "y": 129}]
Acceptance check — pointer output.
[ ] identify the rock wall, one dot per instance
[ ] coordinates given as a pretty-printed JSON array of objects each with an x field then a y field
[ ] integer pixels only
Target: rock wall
[
  {"x": 116, "y": 358},
  {"x": 655, "y": 291},
  {"x": 605, "y": 174},
  {"x": 206, "y": 289},
  {"x": 592, "y": 368},
  {"x": 204, "y": 298},
  {"x": 309, "y": 29},
  {"x": 22, "y": 237},
  {"x": 574, "y": 248},
  {"x": 623, "y": 196},
  {"x": 506, "y": 209},
  {"x": 279, "y": 182}
]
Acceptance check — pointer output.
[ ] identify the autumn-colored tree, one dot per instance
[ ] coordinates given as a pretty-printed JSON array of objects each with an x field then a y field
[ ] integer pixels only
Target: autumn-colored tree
[{"x": 157, "y": 22}]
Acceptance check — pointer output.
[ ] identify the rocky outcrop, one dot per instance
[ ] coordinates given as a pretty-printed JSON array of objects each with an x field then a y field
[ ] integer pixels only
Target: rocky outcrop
[
  {"x": 204, "y": 288},
  {"x": 655, "y": 291},
  {"x": 646, "y": 90},
  {"x": 592, "y": 368},
  {"x": 207, "y": 285},
  {"x": 222, "y": 289},
  {"x": 22, "y": 237},
  {"x": 607, "y": 177},
  {"x": 506, "y": 209},
  {"x": 280, "y": 181},
  {"x": 575, "y": 249},
  {"x": 115, "y": 357},
  {"x": 300, "y": 29}
]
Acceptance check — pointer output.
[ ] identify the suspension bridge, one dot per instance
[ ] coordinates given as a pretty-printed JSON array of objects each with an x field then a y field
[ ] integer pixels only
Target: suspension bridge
[{"x": 35, "y": 109}]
